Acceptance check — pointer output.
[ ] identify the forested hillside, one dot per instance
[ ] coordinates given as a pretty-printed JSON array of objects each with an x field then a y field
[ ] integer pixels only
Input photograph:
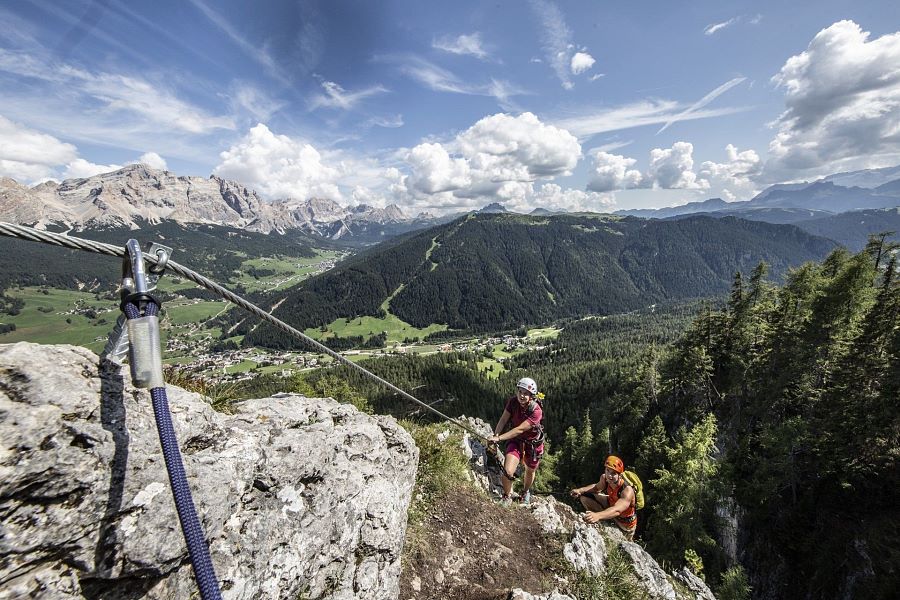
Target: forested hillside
[
  {"x": 851, "y": 229},
  {"x": 769, "y": 434},
  {"x": 489, "y": 272},
  {"x": 802, "y": 383}
]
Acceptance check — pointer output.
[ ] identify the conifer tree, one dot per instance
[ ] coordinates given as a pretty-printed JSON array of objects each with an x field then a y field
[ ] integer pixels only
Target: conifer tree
[{"x": 686, "y": 493}]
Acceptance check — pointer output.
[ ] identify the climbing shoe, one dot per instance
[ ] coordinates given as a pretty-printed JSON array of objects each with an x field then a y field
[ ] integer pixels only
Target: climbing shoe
[
  {"x": 526, "y": 498},
  {"x": 505, "y": 500}
]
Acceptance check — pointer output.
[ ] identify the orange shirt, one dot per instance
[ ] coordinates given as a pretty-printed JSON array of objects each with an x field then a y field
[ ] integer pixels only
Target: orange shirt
[{"x": 627, "y": 517}]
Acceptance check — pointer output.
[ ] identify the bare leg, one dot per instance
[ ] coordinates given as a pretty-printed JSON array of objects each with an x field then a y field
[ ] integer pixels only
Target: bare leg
[
  {"x": 510, "y": 464},
  {"x": 592, "y": 505},
  {"x": 529, "y": 478}
]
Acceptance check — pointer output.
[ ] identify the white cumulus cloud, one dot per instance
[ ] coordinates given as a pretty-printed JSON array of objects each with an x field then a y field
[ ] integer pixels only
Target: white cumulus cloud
[
  {"x": 434, "y": 170},
  {"x": 669, "y": 168},
  {"x": 26, "y": 173},
  {"x": 29, "y": 156},
  {"x": 672, "y": 168},
  {"x": 81, "y": 169},
  {"x": 553, "y": 197},
  {"x": 842, "y": 97},
  {"x": 278, "y": 166},
  {"x": 522, "y": 145},
  {"x": 153, "y": 160},
  {"x": 498, "y": 159},
  {"x": 735, "y": 178},
  {"x": 613, "y": 172},
  {"x": 581, "y": 62},
  {"x": 24, "y": 145}
]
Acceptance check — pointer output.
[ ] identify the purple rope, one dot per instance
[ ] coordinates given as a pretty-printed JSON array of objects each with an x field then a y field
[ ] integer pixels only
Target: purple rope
[{"x": 198, "y": 551}]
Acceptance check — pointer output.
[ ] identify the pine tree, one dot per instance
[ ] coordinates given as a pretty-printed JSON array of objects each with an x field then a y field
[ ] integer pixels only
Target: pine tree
[{"x": 686, "y": 492}]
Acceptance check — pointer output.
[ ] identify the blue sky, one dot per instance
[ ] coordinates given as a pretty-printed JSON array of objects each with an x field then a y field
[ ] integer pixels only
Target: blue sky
[{"x": 575, "y": 105}]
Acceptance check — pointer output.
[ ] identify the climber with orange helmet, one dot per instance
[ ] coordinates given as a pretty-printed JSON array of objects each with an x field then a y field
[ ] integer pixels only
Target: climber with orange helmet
[
  {"x": 524, "y": 436},
  {"x": 613, "y": 497}
]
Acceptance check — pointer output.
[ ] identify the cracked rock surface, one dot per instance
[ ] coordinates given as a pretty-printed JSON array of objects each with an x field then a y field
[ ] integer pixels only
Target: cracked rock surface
[{"x": 298, "y": 497}]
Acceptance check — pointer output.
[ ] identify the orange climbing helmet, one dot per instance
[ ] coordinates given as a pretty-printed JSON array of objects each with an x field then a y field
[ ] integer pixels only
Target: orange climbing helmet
[{"x": 615, "y": 463}]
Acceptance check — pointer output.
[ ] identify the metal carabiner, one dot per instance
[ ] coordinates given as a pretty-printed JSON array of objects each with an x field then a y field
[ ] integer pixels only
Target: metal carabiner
[
  {"x": 118, "y": 346},
  {"x": 143, "y": 328},
  {"x": 136, "y": 264}
]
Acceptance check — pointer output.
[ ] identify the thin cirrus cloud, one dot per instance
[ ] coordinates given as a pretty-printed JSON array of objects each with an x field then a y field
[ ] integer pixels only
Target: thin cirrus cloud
[
  {"x": 118, "y": 94},
  {"x": 439, "y": 79},
  {"x": 636, "y": 114},
  {"x": 389, "y": 122},
  {"x": 703, "y": 102},
  {"x": 337, "y": 97},
  {"x": 712, "y": 28},
  {"x": 251, "y": 50},
  {"x": 555, "y": 38},
  {"x": 464, "y": 44}
]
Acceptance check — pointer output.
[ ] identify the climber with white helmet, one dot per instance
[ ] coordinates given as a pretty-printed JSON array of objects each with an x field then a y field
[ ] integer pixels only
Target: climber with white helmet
[{"x": 520, "y": 428}]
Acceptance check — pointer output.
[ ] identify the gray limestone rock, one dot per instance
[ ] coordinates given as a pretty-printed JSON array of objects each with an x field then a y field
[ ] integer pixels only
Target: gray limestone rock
[
  {"x": 587, "y": 550},
  {"x": 696, "y": 586},
  {"x": 518, "y": 594},
  {"x": 648, "y": 571},
  {"x": 298, "y": 497}
]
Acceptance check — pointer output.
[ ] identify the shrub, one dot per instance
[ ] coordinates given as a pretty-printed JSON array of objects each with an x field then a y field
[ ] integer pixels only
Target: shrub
[{"x": 734, "y": 585}]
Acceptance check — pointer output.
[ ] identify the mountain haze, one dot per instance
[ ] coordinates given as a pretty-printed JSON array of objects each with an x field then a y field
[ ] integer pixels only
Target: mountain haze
[{"x": 838, "y": 193}]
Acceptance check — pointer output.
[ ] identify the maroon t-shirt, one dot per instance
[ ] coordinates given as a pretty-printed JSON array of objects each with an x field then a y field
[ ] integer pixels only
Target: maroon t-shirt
[{"x": 517, "y": 416}]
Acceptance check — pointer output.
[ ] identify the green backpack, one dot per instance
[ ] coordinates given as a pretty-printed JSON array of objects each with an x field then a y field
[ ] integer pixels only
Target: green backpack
[{"x": 632, "y": 479}]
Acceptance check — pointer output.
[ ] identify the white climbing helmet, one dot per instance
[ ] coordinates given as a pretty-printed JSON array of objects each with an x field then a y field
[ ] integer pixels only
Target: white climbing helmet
[{"x": 528, "y": 384}]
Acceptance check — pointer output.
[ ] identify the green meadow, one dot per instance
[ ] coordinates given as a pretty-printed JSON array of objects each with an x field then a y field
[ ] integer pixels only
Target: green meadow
[
  {"x": 53, "y": 316},
  {"x": 182, "y": 312},
  {"x": 396, "y": 330},
  {"x": 286, "y": 271}
]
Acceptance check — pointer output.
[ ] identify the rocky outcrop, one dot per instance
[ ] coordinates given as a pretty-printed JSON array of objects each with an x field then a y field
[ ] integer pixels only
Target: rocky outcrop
[
  {"x": 518, "y": 594},
  {"x": 588, "y": 546},
  {"x": 649, "y": 572},
  {"x": 298, "y": 497},
  {"x": 696, "y": 585}
]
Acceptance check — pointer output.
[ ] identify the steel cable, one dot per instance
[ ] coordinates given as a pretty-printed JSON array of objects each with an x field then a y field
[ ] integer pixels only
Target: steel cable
[{"x": 66, "y": 241}]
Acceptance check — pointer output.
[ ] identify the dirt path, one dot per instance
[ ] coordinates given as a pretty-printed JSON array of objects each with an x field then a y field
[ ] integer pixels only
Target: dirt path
[{"x": 472, "y": 548}]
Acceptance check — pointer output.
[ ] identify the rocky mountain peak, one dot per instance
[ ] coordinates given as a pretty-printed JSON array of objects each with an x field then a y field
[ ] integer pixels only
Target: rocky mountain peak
[
  {"x": 138, "y": 194},
  {"x": 494, "y": 207},
  {"x": 7, "y": 183},
  {"x": 394, "y": 212}
]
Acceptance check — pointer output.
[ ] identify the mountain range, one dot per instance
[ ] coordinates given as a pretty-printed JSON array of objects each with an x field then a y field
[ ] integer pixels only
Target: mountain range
[
  {"x": 136, "y": 195},
  {"x": 812, "y": 200}
]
